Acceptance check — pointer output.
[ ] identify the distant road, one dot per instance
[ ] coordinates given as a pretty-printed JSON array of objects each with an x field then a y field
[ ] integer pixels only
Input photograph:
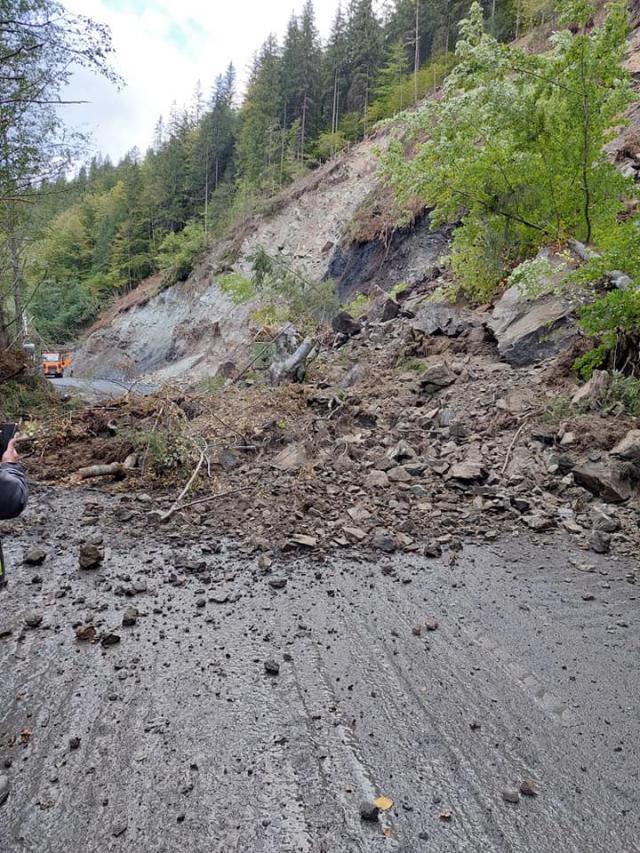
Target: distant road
[{"x": 98, "y": 389}]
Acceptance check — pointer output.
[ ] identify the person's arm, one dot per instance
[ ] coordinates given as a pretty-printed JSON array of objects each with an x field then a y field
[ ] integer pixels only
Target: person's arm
[{"x": 14, "y": 490}]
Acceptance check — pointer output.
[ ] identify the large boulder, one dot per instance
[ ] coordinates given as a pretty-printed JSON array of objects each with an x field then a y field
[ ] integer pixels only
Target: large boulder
[
  {"x": 531, "y": 328},
  {"x": 603, "y": 481},
  {"x": 439, "y": 318},
  {"x": 345, "y": 324},
  {"x": 628, "y": 449},
  {"x": 436, "y": 377}
]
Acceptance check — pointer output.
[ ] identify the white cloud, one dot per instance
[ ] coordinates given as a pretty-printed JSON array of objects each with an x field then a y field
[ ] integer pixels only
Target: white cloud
[{"x": 162, "y": 49}]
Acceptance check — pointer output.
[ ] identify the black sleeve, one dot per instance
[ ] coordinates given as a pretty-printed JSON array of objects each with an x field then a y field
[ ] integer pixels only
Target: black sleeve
[{"x": 13, "y": 489}]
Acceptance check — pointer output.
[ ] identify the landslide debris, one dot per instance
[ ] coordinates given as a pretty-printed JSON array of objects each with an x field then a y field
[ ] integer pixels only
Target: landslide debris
[{"x": 408, "y": 435}]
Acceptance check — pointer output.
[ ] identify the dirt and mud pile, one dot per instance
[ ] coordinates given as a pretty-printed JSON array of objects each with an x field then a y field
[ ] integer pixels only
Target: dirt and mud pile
[{"x": 408, "y": 435}]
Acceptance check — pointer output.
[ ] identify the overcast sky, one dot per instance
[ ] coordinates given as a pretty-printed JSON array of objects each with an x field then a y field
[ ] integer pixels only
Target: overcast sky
[{"x": 163, "y": 47}]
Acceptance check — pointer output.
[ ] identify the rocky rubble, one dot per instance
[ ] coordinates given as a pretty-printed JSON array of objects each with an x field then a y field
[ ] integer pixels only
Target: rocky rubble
[{"x": 411, "y": 434}]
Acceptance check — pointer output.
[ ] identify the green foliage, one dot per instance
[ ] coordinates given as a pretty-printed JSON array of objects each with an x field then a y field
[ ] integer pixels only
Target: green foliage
[
  {"x": 612, "y": 319},
  {"x": 623, "y": 393},
  {"x": 329, "y": 144},
  {"x": 87, "y": 240},
  {"x": 271, "y": 313},
  {"x": 530, "y": 276},
  {"x": 537, "y": 12},
  {"x": 418, "y": 365},
  {"x": 166, "y": 451},
  {"x": 358, "y": 306},
  {"x": 212, "y": 384},
  {"x": 624, "y": 390},
  {"x": 26, "y": 398},
  {"x": 285, "y": 295},
  {"x": 615, "y": 313},
  {"x": 238, "y": 288},
  {"x": 64, "y": 309},
  {"x": 179, "y": 251},
  {"x": 558, "y": 410},
  {"x": 590, "y": 361},
  {"x": 399, "y": 89},
  {"x": 263, "y": 354},
  {"x": 516, "y": 146},
  {"x": 618, "y": 249},
  {"x": 398, "y": 288},
  {"x": 481, "y": 250}
]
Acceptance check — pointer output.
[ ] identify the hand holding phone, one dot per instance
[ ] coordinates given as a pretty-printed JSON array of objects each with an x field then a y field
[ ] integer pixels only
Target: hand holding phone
[{"x": 8, "y": 450}]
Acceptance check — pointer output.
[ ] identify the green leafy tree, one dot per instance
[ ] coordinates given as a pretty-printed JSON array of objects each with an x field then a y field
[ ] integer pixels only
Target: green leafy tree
[{"x": 515, "y": 149}]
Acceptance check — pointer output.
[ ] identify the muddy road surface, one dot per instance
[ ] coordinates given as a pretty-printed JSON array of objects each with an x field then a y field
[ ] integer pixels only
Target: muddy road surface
[
  {"x": 95, "y": 390},
  {"x": 442, "y": 684}
]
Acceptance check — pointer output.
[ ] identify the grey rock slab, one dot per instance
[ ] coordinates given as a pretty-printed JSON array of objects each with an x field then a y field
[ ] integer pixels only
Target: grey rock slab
[
  {"x": 399, "y": 474},
  {"x": 628, "y": 448},
  {"x": 439, "y": 318},
  {"x": 130, "y": 617},
  {"x": 468, "y": 471},
  {"x": 291, "y": 458},
  {"x": 528, "y": 788},
  {"x": 529, "y": 329},
  {"x": 593, "y": 389},
  {"x": 437, "y": 377},
  {"x": 603, "y": 481},
  {"x": 510, "y": 795},
  {"x": 600, "y": 542},
  {"x": 368, "y": 811},
  {"x": 5, "y": 787},
  {"x": 345, "y": 324},
  {"x": 272, "y": 667}
]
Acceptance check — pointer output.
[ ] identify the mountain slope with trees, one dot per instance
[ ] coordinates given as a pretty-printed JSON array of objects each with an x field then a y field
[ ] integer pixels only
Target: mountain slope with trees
[{"x": 88, "y": 239}]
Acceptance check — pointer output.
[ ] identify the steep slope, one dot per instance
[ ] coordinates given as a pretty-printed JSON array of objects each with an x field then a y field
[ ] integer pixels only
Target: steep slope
[
  {"x": 192, "y": 328},
  {"x": 333, "y": 223}
]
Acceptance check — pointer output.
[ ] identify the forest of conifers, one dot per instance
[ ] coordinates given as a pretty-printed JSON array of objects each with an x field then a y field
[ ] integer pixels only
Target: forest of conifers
[{"x": 99, "y": 233}]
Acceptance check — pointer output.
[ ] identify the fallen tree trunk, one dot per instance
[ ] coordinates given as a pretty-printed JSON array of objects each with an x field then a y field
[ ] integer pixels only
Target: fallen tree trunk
[
  {"x": 291, "y": 368},
  {"x": 115, "y": 469}
]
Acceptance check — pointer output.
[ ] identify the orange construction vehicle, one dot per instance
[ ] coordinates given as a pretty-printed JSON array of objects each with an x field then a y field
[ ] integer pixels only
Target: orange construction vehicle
[{"x": 55, "y": 363}]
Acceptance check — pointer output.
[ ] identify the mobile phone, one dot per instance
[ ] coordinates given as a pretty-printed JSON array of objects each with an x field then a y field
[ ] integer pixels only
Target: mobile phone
[{"x": 7, "y": 432}]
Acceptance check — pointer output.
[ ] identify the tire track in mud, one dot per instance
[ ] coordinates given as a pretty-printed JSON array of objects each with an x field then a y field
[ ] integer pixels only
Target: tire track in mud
[{"x": 187, "y": 744}]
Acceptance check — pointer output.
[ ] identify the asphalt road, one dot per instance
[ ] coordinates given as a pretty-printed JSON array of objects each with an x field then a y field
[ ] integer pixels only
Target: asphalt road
[
  {"x": 96, "y": 389},
  {"x": 177, "y": 739}
]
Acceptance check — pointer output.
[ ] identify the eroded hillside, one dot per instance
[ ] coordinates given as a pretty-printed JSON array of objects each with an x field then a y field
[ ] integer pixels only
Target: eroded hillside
[{"x": 324, "y": 225}]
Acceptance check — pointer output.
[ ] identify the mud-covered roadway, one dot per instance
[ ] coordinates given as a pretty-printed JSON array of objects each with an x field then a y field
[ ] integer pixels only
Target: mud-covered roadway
[{"x": 178, "y": 739}]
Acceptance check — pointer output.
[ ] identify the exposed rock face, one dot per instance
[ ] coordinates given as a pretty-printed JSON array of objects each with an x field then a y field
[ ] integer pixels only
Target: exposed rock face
[
  {"x": 530, "y": 329},
  {"x": 411, "y": 256}
]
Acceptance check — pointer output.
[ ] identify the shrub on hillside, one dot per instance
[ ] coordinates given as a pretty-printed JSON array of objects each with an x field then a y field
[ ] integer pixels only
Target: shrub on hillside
[{"x": 179, "y": 252}]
